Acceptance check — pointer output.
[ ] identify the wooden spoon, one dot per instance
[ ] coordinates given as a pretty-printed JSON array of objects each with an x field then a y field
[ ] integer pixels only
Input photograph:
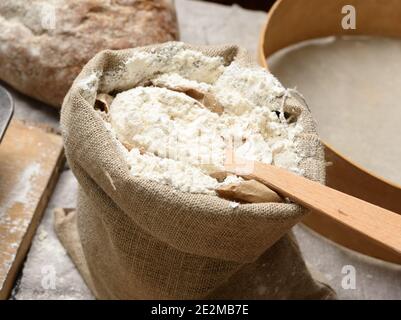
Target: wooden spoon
[{"x": 380, "y": 225}]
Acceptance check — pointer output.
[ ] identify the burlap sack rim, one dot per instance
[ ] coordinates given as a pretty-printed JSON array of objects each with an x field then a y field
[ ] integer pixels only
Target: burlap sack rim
[
  {"x": 140, "y": 181},
  {"x": 119, "y": 178}
]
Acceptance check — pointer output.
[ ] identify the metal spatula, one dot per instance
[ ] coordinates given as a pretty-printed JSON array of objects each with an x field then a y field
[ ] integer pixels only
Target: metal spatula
[{"x": 6, "y": 110}]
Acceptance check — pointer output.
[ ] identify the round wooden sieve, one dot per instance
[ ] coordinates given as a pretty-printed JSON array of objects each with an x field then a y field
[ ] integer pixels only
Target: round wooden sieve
[{"x": 289, "y": 22}]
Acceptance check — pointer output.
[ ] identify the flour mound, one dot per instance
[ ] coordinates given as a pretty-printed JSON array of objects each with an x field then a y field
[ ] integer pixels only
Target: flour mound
[{"x": 176, "y": 127}]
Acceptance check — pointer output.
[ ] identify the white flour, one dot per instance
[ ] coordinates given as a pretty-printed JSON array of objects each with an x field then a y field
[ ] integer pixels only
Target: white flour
[
  {"x": 20, "y": 192},
  {"x": 176, "y": 138}
]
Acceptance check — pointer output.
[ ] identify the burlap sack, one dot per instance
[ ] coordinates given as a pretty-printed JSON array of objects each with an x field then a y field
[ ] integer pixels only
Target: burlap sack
[{"x": 133, "y": 238}]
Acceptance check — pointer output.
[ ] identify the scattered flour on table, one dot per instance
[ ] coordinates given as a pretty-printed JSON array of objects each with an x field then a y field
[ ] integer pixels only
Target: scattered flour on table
[
  {"x": 21, "y": 191},
  {"x": 20, "y": 194},
  {"x": 172, "y": 135}
]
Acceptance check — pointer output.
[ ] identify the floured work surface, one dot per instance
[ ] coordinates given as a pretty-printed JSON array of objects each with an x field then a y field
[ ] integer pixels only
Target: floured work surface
[
  {"x": 30, "y": 161},
  {"x": 352, "y": 86}
]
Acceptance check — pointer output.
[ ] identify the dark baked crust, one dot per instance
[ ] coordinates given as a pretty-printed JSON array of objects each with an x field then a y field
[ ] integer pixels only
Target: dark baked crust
[{"x": 43, "y": 62}]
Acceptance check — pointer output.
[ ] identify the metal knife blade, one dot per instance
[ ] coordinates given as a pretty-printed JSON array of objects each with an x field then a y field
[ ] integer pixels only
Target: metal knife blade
[{"x": 6, "y": 110}]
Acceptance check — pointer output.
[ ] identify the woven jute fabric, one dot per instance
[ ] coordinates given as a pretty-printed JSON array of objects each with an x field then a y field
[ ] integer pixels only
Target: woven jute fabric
[{"x": 133, "y": 238}]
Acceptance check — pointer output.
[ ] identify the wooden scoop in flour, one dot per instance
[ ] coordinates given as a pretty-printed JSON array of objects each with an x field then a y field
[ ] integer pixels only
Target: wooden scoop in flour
[{"x": 379, "y": 225}]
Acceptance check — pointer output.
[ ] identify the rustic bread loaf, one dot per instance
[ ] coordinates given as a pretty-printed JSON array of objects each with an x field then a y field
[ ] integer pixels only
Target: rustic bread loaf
[{"x": 45, "y": 43}]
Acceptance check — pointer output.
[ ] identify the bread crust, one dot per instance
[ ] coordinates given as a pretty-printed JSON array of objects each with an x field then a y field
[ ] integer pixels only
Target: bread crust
[{"x": 41, "y": 60}]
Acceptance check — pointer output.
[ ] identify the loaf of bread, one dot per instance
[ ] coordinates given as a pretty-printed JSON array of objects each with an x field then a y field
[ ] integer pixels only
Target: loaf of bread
[{"x": 44, "y": 43}]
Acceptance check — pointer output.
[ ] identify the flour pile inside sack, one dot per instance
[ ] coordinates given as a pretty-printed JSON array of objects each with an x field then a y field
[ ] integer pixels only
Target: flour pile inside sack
[{"x": 177, "y": 124}]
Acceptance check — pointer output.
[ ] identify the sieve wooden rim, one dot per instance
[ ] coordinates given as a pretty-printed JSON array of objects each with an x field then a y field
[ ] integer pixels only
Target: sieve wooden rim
[{"x": 292, "y": 21}]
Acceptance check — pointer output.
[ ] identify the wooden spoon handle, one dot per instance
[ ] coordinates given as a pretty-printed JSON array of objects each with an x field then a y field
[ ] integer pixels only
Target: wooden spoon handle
[{"x": 380, "y": 225}]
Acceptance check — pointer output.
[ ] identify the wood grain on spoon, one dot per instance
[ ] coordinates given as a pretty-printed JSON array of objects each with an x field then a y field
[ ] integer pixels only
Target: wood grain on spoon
[{"x": 378, "y": 224}]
